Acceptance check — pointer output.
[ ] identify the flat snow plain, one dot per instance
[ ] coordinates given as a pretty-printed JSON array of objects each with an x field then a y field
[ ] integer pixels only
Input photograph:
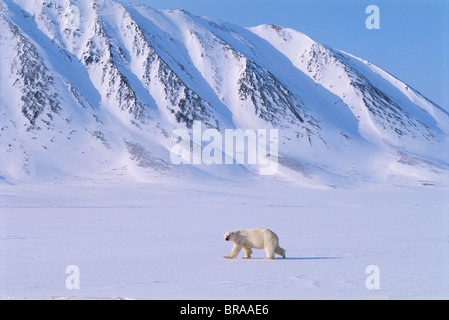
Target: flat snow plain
[{"x": 165, "y": 241}]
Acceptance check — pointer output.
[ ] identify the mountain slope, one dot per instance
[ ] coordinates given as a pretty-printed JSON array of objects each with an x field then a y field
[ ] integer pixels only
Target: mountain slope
[
  {"x": 93, "y": 90},
  {"x": 386, "y": 107}
]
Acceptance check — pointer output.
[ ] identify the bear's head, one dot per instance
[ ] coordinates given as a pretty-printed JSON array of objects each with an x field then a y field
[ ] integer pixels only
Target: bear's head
[{"x": 229, "y": 235}]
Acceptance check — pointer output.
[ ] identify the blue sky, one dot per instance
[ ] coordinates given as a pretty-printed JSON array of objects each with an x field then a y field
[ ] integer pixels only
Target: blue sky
[{"x": 412, "y": 42}]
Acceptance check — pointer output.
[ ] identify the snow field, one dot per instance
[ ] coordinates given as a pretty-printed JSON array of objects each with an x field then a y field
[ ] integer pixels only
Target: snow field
[{"x": 160, "y": 242}]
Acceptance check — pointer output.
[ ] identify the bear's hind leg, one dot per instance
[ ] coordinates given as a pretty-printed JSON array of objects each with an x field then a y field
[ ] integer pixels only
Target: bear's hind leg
[
  {"x": 280, "y": 251},
  {"x": 270, "y": 253}
]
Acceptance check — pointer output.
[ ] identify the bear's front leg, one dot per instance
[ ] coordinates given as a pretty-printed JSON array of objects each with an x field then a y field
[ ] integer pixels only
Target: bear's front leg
[
  {"x": 234, "y": 252},
  {"x": 248, "y": 252}
]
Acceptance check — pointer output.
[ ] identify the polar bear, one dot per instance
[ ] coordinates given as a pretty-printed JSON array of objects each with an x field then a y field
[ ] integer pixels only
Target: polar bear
[{"x": 257, "y": 238}]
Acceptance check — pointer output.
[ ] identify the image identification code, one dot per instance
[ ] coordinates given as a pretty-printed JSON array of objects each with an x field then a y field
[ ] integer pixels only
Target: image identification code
[{"x": 229, "y": 309}]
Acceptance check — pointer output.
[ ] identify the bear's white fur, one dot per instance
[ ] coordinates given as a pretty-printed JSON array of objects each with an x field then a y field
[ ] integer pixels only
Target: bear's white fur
[{"x": 257, "y": 238}]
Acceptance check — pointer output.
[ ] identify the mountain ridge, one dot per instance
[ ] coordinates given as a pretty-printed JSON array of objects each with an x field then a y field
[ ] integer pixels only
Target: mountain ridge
[{"x": 93, "y": 89}]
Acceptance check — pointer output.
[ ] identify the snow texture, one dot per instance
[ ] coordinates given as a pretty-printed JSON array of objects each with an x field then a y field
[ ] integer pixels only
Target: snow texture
[{"x": 163, "y": 242}]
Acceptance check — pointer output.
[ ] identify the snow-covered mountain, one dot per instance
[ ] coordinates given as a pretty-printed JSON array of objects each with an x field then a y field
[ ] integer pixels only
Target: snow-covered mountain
[{"x": 93, "y": 90}]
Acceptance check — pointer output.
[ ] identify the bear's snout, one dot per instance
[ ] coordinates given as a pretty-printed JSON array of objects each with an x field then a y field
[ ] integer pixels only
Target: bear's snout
[{"x": 227, "y": 236}]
